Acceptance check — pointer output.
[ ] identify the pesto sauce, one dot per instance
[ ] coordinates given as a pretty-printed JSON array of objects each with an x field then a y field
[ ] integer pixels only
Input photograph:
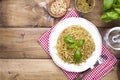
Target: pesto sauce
[{"x": 84, "y": 5}]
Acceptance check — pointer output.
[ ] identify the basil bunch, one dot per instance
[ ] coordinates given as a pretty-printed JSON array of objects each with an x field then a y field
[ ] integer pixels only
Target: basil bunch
[
  {"x": 111, "y": 10},
  {"x": 73, "y": 44}
]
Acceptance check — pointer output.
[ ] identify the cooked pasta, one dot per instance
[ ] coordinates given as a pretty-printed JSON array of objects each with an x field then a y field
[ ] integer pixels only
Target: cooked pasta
[{"x": 79, "y": 33}]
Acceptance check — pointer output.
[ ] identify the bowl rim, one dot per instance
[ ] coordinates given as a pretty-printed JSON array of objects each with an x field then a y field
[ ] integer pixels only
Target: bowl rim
[{"x": 72, "y": 67}]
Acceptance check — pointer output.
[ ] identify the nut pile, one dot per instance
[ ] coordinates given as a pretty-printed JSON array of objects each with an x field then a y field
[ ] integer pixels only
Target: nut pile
[{"x": 58, "y": 8}]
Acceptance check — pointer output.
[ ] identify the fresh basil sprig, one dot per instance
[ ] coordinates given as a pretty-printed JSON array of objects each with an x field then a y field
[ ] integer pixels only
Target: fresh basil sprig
[
  {"x": 111, "y": 10},
  {"x": 74, "y": 44}
]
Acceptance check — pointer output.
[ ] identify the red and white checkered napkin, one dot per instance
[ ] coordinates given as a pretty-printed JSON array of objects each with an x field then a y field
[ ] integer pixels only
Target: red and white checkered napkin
[{"x": 94, "y": 74}]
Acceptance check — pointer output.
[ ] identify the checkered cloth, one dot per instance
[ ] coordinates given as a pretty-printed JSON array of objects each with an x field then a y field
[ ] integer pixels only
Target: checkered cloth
[{"x": 94, "y": 74}]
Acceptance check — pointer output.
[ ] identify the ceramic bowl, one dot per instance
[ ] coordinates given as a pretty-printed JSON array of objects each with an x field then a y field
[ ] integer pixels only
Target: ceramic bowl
[{"x": 91, "y": 28}]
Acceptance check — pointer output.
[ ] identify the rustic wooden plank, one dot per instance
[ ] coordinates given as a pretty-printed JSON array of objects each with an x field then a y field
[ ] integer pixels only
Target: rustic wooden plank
[
  {"x": 23, "y": 13},
  {"x": 27, "y": 13},
  {"x": 22, "y": 43},
  {"x": 30, "y": 69},
  {"x": 41, "y": 69}
]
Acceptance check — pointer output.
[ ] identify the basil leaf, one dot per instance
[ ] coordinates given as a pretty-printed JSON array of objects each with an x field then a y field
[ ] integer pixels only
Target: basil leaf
[
  {"x": 77, "y": 56},
  {"x": 72, "y": 46},
  {"x": 107, "y": 4},
  {"x": 105, "y": 18},
  {"x": 115, "y": 6},
  {"x": 69, "y": 39},
  {"x": 115, "y": 1},
  {"x": 118, "y": 2},
  {"x": 109, "y": 16},
  {"x": 80, "y": 42},
  {"x": 117, "y": 10}
]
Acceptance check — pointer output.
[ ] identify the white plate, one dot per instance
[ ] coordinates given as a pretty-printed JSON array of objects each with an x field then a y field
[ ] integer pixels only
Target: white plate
[{"x": 91, "y": 28}]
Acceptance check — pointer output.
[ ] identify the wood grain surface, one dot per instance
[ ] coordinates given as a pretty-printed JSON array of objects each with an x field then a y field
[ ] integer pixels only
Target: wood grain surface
[
  {"x": 22, "y": 22},
  {"x": 22, "y": 43},
  {"x": 19, "y": 49},
  {"x": 27, "y": 13},
  {"x": 22, "y": 13},
  {"x": 29, "y": 69}
]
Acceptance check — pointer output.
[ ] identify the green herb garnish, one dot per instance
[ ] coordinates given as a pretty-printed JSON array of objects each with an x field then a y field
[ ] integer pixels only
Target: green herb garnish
[
  {"x": 74, "y": 45},
  {"x": 77, "y": 56},
  {"x": 69, "y": 39},
  {"x": 80, "y": 42},
  {"x": 111, "y": 10}
]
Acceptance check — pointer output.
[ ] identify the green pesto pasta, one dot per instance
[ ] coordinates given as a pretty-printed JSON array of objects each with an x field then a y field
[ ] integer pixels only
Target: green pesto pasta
[{"x": 79, "y": 33}]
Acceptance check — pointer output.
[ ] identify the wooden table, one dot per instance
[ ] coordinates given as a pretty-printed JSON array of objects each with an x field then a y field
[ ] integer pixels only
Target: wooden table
[{"x": 22, "y": 22}]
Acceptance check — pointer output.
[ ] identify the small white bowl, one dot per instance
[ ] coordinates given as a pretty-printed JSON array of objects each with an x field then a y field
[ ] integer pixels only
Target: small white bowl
[{"x": 91, "y": 28}]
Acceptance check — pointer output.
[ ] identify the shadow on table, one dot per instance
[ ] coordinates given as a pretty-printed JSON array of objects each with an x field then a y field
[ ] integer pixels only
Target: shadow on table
[{"x": 118, "y": 70}]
